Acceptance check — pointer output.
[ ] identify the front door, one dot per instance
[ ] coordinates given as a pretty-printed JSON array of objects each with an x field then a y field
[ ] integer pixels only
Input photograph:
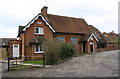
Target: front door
[
  {"x": 15, "y": 50},
  {"x": 84, "y": 47},
  {"x": 91, "y": 47}
]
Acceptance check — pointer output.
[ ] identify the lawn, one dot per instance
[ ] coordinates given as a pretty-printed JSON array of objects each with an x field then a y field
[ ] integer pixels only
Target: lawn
[{"x": 34, "y": 62}]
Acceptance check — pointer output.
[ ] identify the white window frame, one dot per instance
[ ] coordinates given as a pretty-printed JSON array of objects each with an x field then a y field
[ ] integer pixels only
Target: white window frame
[
  {"x": 39, "y": 49},
  {"x": 40, "y": 30}
]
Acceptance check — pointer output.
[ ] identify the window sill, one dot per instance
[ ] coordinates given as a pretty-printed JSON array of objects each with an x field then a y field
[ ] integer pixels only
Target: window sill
[
  {"x": 38, "y": 52},
  {"x": 39, "y": 34}
]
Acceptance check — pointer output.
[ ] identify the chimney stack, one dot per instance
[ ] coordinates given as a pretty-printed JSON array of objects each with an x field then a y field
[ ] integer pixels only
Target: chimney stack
[{"x": 44, "y": 11}]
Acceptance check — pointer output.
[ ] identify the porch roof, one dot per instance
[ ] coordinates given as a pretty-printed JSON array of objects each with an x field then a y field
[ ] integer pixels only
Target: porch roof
[
  {"x": 37, "y": 40},
  {"x": 87, "y": 37}
]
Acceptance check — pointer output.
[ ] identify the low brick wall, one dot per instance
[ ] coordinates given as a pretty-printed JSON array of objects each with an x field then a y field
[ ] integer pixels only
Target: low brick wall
[{"x": 108, "y": 49}]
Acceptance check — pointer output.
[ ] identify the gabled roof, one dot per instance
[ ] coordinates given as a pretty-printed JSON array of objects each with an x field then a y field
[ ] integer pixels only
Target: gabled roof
[
  {"x": 36, "y": 17},
  {"x": 92, "y": 35},
  {"x": 68, "y": 24},
  {"x": 61, "y": 24},
  {"x": 93, "y": 29},
  {"x": 87, "y": 37}
]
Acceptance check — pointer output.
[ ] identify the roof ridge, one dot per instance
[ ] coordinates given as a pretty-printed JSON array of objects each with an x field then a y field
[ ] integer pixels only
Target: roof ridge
[{"x": 65, "y": 16}]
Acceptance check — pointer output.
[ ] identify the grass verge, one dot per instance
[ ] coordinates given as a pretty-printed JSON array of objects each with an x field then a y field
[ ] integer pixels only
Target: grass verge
[{"x": 33, "y": 62}]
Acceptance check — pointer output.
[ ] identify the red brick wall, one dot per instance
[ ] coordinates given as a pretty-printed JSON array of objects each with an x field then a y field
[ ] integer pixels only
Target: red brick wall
[
  {"x": 22, "y": 45},
  {"x": 68, "y": 39},
  {"x": 30, "y": 34},
  {"x": 11, "y": 43},
  {"x": 95, "y": 45}
]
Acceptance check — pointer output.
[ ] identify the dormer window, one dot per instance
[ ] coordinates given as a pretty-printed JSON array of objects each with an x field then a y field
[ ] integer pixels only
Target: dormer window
[{"x": 39, "y": 30}]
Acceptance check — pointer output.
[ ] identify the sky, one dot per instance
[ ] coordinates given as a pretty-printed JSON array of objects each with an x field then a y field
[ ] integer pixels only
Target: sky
[{"x": 102, "y": 14}]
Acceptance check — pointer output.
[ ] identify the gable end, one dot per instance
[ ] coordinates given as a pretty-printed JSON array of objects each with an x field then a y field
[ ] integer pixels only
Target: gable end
[
  {"x": 32, "y": 21},
  {"x": 93, "y": 36}
]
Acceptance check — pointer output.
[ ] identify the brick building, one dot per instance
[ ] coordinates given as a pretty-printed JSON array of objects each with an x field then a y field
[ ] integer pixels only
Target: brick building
[{"x": 48, "y": 26}]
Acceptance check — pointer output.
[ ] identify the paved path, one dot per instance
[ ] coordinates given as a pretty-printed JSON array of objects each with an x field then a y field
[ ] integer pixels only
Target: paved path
[{"x": 102, "y": 64}]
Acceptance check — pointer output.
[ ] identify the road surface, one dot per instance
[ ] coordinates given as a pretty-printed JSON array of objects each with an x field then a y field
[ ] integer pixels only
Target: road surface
[{"x": 101, "y": 64}]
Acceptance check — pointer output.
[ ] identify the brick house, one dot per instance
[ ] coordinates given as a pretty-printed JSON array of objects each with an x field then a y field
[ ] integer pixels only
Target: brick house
[{"x": 48, "y": 26}]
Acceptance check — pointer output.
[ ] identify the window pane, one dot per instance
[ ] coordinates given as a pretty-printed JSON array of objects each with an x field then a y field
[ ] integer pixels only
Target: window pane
[
  {"x": 61, "y": 38},
  {"x": 37, "y": 30},
  {"x": 41, "y": 30},
  {"x": 41, "y": 48},
  {"x": 74, "y": 40},
  {"x": 36, "y": 48}
]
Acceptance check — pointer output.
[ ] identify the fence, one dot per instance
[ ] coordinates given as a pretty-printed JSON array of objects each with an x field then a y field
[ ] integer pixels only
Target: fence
[{"x": 13, "y": 63}]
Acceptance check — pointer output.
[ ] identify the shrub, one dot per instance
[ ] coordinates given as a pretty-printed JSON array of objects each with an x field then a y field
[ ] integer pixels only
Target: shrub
[
  {"x": 52, "y": 50},
  {"x": 67, "y": 51},
  {"x": 55, "y": 51}
]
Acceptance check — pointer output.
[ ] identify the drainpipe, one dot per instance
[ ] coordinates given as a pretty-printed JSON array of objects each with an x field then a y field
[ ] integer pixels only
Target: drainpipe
[{"x": 25, "y": 45}]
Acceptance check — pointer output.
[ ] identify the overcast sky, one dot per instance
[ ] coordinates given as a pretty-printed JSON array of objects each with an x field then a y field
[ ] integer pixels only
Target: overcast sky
[{"x": 103, "y": 14}]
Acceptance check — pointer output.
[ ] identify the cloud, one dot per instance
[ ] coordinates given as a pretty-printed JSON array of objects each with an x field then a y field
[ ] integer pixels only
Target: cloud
[{"x": 102, "y": 14}]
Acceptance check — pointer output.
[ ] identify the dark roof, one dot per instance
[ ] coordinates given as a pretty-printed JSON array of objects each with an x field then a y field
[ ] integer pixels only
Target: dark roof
[
  {"x": 68, "y": 24},
  {"x": 85, "y": 37},
  {"x": 37, "y": 40},
  {"x": 93, "y": 29},
  {"x": 5, "y": 41},
  {"x": 20, "y": 30}
]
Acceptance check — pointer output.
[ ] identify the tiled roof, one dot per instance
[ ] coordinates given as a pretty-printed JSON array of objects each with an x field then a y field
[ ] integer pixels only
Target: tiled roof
[
  {"x": 85, "y": 37},
  {"x": 68, "y": 24},
  {"x": 93, "y": 29},
  {"x": 37, "y": 40},
  {"x": 5, "y": 41}
]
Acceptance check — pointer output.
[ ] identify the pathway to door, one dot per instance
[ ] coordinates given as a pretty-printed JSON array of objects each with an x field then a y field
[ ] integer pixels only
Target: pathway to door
[{"x": 102, "y": 64}]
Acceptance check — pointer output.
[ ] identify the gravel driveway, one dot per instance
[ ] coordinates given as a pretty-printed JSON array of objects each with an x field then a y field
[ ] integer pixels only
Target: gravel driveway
[{"x": 101, "y": 64}]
